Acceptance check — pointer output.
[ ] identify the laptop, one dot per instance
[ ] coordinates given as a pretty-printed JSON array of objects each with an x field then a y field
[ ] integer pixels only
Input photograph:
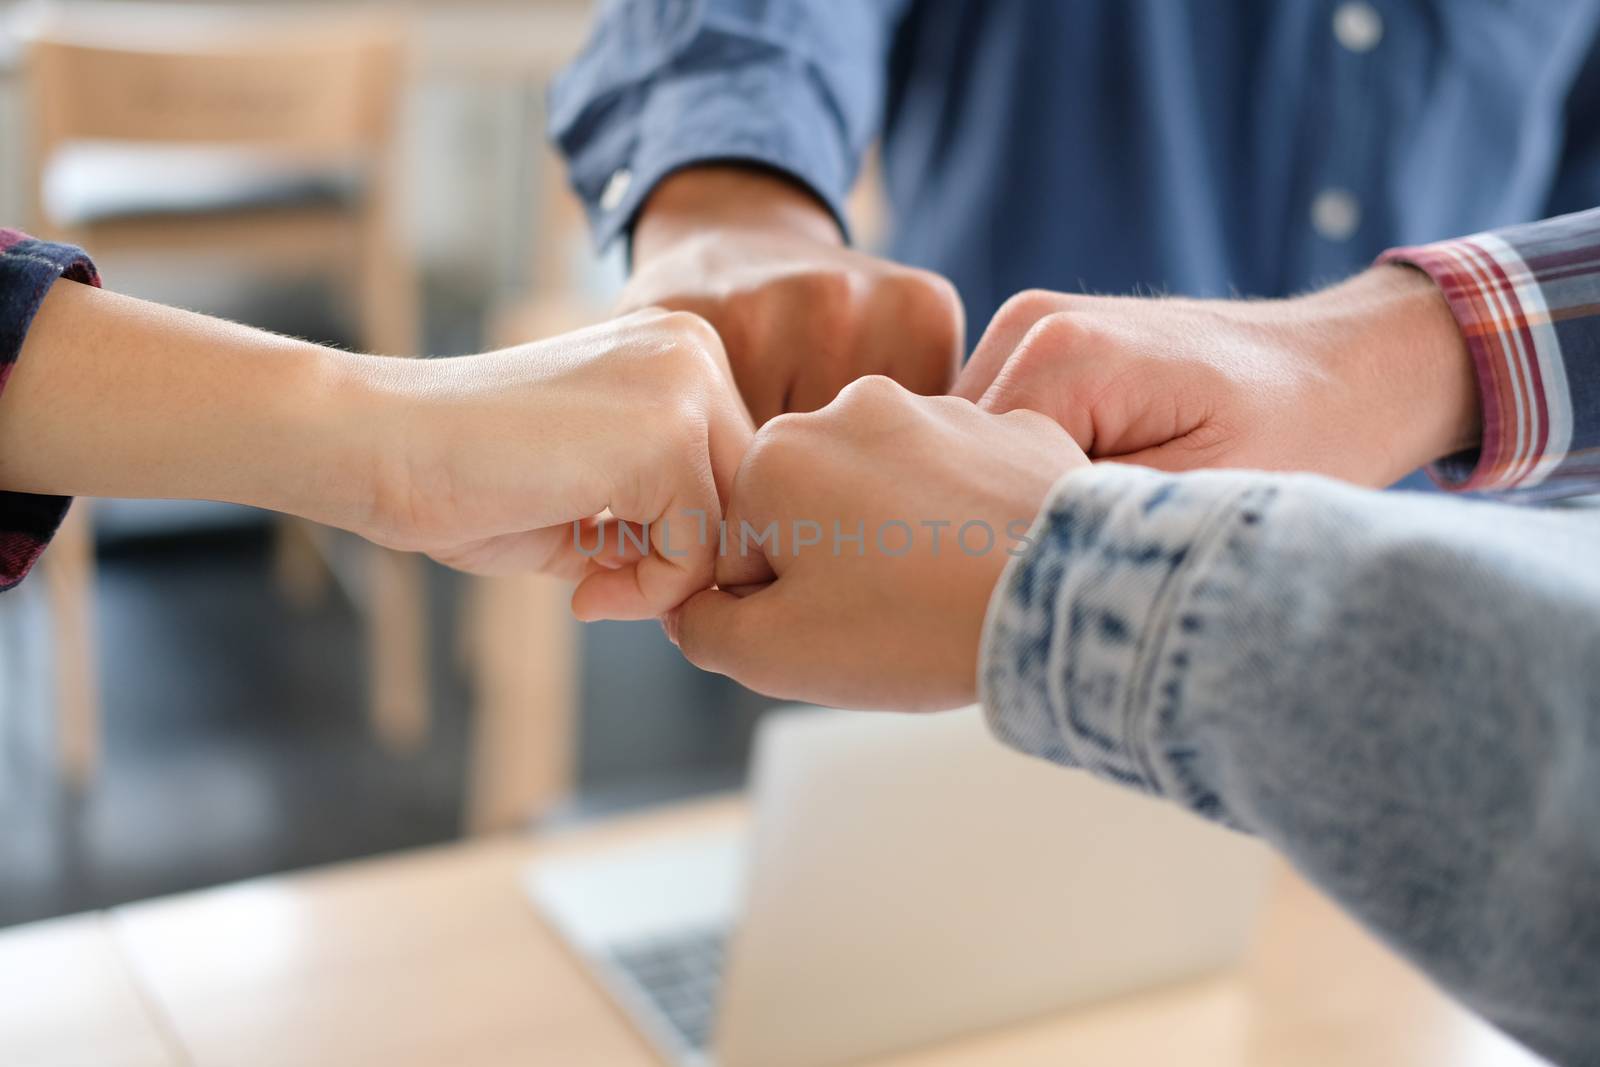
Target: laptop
[{"x": 902, "y": 880}]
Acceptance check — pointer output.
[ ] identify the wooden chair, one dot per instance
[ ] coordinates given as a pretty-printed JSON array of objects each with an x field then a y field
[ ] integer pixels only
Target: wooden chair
[{"x": 301, "y": 111}]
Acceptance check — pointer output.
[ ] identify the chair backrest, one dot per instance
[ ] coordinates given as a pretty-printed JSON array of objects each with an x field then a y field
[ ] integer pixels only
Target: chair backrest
[{"x": 305, "y": 85}]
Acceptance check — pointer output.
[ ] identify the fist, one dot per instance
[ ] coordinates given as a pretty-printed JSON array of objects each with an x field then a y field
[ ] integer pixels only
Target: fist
[
  {"x": 801, "y": 315},
  {"x": 1366, "y": 381},
  {"x": 862, "y": 543},
  {"x": 597, "y": 456}
]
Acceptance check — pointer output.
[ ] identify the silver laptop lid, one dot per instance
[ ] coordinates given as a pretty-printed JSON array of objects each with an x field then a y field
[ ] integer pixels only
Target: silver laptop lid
[{"x": 910, "y": 879}]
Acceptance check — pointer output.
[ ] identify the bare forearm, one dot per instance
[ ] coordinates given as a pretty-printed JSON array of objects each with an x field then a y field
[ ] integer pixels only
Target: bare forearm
[
  {"x": 113, "y": 396},
  {"x": 483, "y": 462}
]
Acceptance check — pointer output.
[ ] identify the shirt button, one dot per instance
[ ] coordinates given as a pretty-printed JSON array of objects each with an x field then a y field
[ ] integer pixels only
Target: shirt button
[
  {"x": 616, "y": 189},
  {"x": 1357, "y": 25},
  {"x": 1335, "y": 214}
]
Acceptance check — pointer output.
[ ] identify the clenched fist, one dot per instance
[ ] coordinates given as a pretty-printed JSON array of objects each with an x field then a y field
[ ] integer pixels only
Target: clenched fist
[
  {"x": 862, "y": 544},
  {"x": 547, "y": 456},
  {"x": 800, "y": 314},
  {"x": 516, "y": 460},
  {"x": 1366, "y": 381}
]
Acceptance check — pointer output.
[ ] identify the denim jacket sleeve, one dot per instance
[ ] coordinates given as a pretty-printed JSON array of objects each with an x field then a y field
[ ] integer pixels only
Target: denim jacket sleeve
[
  {"x": 793, "y": 85},
  {"x": 1401, "y": 692}
]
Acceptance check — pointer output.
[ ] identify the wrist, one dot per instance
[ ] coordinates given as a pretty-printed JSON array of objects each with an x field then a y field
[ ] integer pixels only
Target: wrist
[
  {"x": 335, "y": 442},
  {"x": 729, "y": 198},
  {"x": 1390, "y": 338}
]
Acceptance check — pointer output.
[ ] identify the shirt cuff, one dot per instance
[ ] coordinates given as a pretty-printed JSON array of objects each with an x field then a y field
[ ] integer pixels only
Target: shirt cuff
[
  {"x": 1086, "y": 643},
  {"x": 1527, "y": 299},
  {"x": 28, "y": 268},
  {"x": 623, "y": 133}
]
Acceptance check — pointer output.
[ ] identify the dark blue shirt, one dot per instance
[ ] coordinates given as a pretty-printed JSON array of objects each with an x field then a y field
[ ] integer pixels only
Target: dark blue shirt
[{"x": 1202, "y": 147}]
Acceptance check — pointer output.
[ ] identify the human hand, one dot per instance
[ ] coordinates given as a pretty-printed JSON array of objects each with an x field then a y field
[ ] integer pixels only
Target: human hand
[
  {"x": 1366, "y": 381},
  {"x": 942, "y": 494},
  {"x": 490, "y": 460},
  {"x": 800, "y": 314},
  {"x": 485, "y": 462}
]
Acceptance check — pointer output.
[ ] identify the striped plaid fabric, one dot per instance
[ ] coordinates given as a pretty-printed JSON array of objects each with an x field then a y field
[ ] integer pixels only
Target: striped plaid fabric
[
  {"x": 28, "y": 268},
  {"x": 1528, "y": 301}
]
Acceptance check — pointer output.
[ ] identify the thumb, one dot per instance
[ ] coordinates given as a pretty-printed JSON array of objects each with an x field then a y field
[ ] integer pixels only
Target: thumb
[
  {"x": 1021, "y": 384},
  {"x": 739, "y": 636},
  {"x": 1010, "y": 325},
  {"x": 1058, "y": 369},
  {"x": 676, "y": 558}
]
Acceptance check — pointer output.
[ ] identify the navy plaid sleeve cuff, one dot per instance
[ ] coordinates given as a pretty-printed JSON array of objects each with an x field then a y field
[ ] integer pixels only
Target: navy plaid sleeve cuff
[
  {"x": 28, "y": 268},
  {"x": 1528, "y": 301}
]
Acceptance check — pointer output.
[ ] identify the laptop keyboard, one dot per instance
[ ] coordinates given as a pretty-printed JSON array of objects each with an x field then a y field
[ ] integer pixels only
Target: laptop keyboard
[{"x": 680, "y": 975}]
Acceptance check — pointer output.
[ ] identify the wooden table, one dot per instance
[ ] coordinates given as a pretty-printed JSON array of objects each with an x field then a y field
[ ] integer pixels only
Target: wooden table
[{"x": 435, "y": 957}]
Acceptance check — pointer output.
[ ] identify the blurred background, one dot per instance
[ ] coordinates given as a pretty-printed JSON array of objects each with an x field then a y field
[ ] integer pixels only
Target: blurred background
[{"x": 192, "y": 694}]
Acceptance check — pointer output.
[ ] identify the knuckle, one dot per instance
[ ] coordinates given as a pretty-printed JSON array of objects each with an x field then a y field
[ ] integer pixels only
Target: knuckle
[
  {"x": 872, "y": 390},
  {"x": 941, "y": 288},
  {"x": 1053, "y": 336},
  {"x": 686, "y": 353},
  {"x": 868, "y": 399},
  {"x": 781, "y": 440},
  {"x": 1028, "y": 306},
  {"x": 930, "y": 305},
  {"x": 690, "y": 331},
  {"x": 938, "y": 293},
  {"x": 825, "y": 288}
]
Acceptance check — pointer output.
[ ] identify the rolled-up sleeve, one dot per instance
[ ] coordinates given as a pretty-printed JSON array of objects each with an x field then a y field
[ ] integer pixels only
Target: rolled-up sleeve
[
  {"x": 28, "y": 268},
  {"x": 796, "y": 86},
  {"x": 1527, "y": 299}
]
